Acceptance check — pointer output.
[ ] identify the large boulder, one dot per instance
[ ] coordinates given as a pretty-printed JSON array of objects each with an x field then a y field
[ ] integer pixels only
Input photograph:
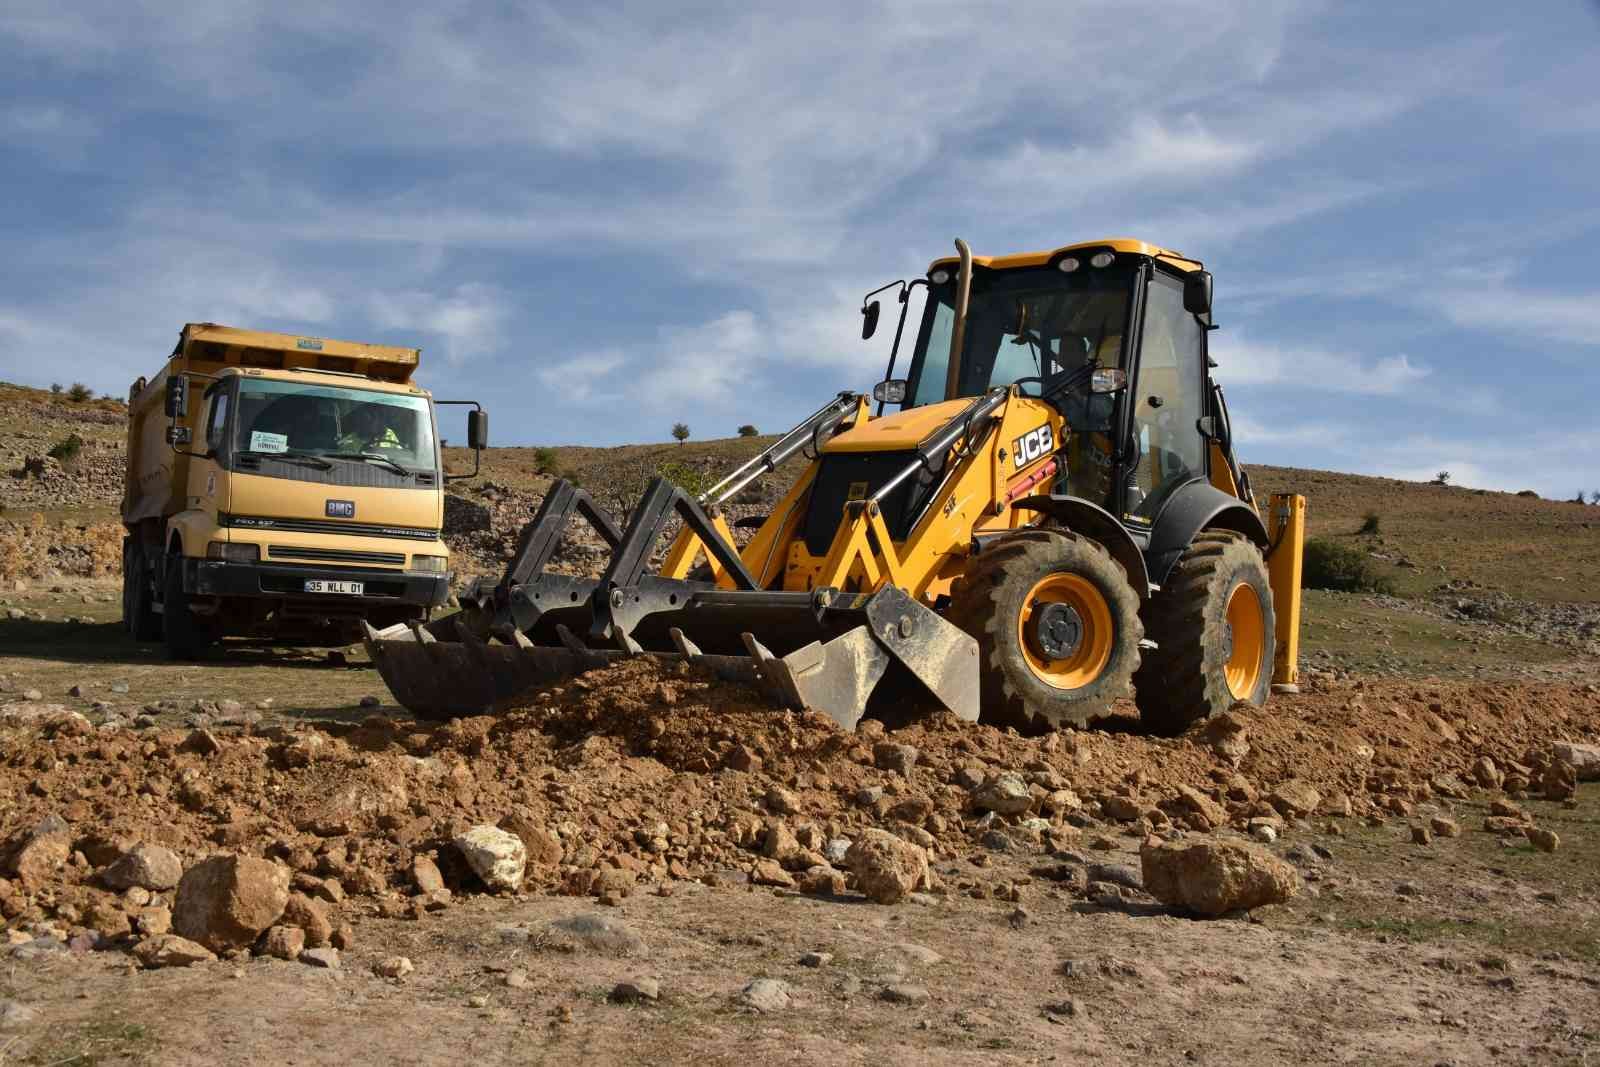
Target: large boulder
[
  {"x": 496, "y": 856},
  {"x": 886, "y": 867},
  {"x": 225, "y": 902},
  {"x": 149, "y": 867},
  {"x": 1214, "y": 877},
  {"x": 1584, "y": 759}
]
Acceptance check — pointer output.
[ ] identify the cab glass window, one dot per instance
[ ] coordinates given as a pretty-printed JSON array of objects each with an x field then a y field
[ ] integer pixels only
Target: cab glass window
[{"x": 1169, "y": 397}]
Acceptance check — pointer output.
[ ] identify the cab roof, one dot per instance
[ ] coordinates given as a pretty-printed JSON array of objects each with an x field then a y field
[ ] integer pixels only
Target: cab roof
[{"x": 1124, "y": 245}]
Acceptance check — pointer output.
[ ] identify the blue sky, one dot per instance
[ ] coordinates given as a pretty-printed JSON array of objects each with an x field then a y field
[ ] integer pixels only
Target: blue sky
[{"x": 600, "y": 219}]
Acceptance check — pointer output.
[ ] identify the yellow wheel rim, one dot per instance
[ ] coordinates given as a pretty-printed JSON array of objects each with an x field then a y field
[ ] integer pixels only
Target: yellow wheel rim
[
  {"x": 1247, "y": 641},
  {"x": 1087, "y": 657}
]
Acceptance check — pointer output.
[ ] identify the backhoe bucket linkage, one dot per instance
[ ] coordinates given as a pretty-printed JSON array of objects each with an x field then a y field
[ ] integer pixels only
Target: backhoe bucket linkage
[{"x": 823, "y": 649}]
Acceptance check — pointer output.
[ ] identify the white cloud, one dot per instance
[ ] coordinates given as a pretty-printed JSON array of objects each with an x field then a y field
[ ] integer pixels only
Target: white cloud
[{"x": 469, "y": 318}]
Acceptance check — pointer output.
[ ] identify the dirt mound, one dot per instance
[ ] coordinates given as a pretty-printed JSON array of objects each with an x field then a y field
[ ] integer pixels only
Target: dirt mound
[{"x": 643, "y": 772}]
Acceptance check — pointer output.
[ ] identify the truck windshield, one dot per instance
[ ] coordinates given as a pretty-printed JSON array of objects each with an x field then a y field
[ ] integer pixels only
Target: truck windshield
[
  {"x": 1022, "y": 323},
  {"x": 292, "y": 418}
]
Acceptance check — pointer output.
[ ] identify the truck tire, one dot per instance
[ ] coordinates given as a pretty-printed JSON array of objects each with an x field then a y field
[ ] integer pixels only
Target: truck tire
[
  {"x": 138, "y": 596},
  {"x": 185, "y": 636},
  {"x": 1213, "y": 625},
  {"x": 1057, "y": 625}
]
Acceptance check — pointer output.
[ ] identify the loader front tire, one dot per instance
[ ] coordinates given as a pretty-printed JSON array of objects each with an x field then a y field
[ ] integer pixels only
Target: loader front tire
[
  {"x": 1057, "y": 625},
  {"x": 1213, "y": 626}
]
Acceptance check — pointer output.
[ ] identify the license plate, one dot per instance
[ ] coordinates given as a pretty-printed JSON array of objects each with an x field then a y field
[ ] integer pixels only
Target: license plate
[{"x": 319, "y": 585}]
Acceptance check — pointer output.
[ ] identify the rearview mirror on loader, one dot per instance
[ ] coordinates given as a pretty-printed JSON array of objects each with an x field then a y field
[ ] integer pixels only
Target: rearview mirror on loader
[
  {"x": 892, "y": 391},
  {"x": 869, "y": 320}
]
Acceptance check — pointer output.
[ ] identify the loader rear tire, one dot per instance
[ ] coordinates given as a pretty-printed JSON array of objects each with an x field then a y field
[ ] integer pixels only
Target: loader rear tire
[
  {"x": 1057, "y": 625},
  {"x": 1212, "y": 624}
]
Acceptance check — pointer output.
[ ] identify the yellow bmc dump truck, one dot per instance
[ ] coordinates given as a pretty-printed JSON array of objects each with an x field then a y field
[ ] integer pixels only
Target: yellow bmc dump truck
[{"x": 282, "y": 487}]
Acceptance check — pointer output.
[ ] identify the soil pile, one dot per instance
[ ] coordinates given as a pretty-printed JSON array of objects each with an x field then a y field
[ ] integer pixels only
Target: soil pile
[{"x": 643, "y": 772}]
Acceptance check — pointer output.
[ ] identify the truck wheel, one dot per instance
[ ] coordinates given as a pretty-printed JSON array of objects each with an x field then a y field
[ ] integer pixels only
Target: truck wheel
[
  {"x": 1057, "y": 625},
  {"x": 185, "y": 636},
  {"x": 1213, "y": 625},
  {"x": 138, "y": 597}
]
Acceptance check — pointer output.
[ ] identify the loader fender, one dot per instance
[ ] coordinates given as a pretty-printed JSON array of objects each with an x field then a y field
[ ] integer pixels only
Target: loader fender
[
  {"x": 1095, "y": 522},
  {"x": 1196, "y": 506}
]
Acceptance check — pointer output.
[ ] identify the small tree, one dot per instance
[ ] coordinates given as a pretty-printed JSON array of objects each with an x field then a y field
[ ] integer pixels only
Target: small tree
[
  {"x": 1594, "y": 496},
  {"x": 680, "y": 432},
  {"x": 1370, "y": 523},
  {"x": 1442, "y": 478},
  {"x": 56, "y": 388},
  {"x": 79, "y": 393},
  {"x": 749, "y": 431},
  {"x": 546, "y": 461},
  {"x": 67, "y": 450}
]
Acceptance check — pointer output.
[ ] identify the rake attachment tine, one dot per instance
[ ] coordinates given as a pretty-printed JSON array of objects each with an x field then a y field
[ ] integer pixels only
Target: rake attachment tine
[
  {"x": 570, "y": 640},
  {"x": 686, "y": 648},
  {"x": 465, "y": 634},
  {"x": 422, "y": 635},
  {"x": 772, "y": 679},
  {"x": 520, "y": 639}
]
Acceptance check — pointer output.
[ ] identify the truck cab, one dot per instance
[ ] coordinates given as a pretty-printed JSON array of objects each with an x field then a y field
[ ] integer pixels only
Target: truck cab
[{"x": 283, "y": 487}]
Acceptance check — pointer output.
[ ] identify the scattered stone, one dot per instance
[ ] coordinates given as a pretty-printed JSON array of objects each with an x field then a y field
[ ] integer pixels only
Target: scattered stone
[
  {"x": 154, "y": 921},
  {"x": 1264, "y": 832},
  {"x": 149, "y": 867},
  {"x": 109, "y": 921},
  {"x": 766, "y": 995},
  {"x": 822, "y": 881},
  {"x": 425, "y": 875},
  {"x": 13, "y": 1015},
  {"x": 594, "y": 932},
  {"x": 1215, "y": 877},
  {"x": 45, "y": 850},
  {"x": 1122, "y": 874},
  {"x": 1542, "y": 839},
  {"x": 370, "y": 701},
  {"x": 1421, "y": 835},
  {"x": 1486, "y": 774},
  {"x": 1005, "y": 794},
  {"x": 170, "y": 950},
  {"x": 495, "y": 856},
  {"x": 1294, "y": 798},
  {"x": 1225, "y": 735},
  {"x": 836, "y": 849},
  {"x": 310, "y": 915},
  {"x": 900, "y": 759},
  {"x": 636, "y": 990},
  {"x": 887, "y": 867},
  {"x": 227, "y": 901},
  {"x": 904, "y": 993},
  {"x": 393, "y": 967},
  {"x": 783, "y": 801},
  {"x": 1443, "y": 827},
  {"x": 771, "y": 872},
  {"x": 321, "y": 957},
  {"x": 816, "y": 959},
  {"x": 283, "y": 942}
]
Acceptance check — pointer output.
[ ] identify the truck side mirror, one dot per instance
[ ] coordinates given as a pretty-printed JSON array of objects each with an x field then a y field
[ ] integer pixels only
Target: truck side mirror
[
  {"x": 177, "y": 396},
  {"x": 869, "y": 319},
  {"x": 478, "y": 430},
  {"x": 1197, "y": 293},
  {"x": 177, "y": 435}
]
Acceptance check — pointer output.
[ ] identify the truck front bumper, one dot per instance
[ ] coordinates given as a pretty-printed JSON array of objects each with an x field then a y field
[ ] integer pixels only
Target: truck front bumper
[{"x": 280, "y": 581}]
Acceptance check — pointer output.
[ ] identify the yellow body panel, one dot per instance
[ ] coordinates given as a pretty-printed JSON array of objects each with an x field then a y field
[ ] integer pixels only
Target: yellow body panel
[
  {"x": 902, "y": 430},
  {"x": 1129, "y": 245}
]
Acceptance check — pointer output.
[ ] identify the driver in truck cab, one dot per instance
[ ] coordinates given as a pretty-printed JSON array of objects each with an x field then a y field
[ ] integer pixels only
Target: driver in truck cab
[{"x": 368, "y": 427}]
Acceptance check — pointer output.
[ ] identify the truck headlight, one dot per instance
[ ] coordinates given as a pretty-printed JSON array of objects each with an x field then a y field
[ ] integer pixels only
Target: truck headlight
[
  {"x": 232, "y": 553},
  {"x": 429, "y": 564}
]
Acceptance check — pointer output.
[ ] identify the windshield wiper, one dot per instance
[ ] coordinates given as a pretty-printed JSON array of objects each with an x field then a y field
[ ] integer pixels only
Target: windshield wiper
[
  {"x": 373, "y": 457},
  {"x": 305, "y": 459}
]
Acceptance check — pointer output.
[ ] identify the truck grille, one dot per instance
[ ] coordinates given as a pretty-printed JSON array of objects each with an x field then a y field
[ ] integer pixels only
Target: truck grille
[
  {"x": 337, "y": 526},
  {"x": 336, "y": 555}
]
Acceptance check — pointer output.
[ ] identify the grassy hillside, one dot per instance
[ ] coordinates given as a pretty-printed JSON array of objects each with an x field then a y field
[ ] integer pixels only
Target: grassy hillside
[{"x": 1427, "y": 535}]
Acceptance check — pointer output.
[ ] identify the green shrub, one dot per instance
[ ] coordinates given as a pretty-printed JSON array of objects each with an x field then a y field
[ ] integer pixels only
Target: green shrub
[
  {"x": 79, "y": 393},
  {"x": 67, "y": 450},
  {"x": 56, "y": 388},
  {"x": 546, "y": 461},
  {"x": 680, "y": 432},
  {"x": 1331, "y": 565},
  {"x": 685, "y": 477},
  {"x": 749, "y": 431},
  {"x": 1370, "y": 523}
]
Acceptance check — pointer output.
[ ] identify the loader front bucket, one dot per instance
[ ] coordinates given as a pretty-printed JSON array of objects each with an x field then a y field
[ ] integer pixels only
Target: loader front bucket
[{"x": 826, "y": 650}]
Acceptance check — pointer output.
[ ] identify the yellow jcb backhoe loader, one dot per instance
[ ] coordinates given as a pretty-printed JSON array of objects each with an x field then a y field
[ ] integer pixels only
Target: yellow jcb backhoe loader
[{"x": 1052, "y": 518}]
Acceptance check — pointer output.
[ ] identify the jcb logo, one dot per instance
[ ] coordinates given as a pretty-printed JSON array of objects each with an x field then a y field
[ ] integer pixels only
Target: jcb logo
[{"x": 1033, "y": 444}]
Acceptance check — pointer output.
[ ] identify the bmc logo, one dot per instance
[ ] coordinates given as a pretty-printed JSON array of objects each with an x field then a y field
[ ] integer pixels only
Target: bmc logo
[
  {"x": 1031, "y": 445},
  {"x": 341, "y": 509}
]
